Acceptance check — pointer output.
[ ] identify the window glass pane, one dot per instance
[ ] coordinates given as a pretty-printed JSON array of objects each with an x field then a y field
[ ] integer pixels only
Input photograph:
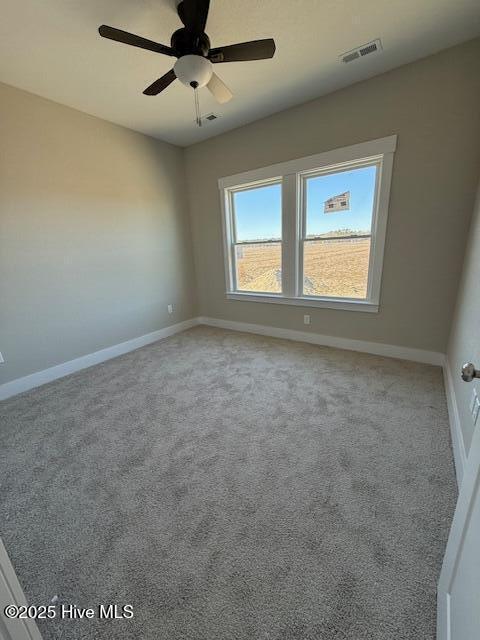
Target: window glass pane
[
  {"x": 259, "y": 267},
  {"x": 339, "y": 209},
  {"x": 336, "y": 268},
  {"x": 340, "y": 203},
  {"x": 258, "y": 213}
]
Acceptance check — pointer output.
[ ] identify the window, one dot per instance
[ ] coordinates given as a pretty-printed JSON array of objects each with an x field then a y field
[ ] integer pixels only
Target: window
[
  {"x": 257, "y": 241},
  {"x": 337, "y": 232},
  {"x": 310, "y": 231}
]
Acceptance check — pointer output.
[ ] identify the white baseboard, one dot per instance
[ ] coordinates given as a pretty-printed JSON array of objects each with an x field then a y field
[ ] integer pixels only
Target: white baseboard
[
  {"x": 376, "y": 348},
  {"x": 458, "y": 444},
  {"x": 38, "y": 378}
]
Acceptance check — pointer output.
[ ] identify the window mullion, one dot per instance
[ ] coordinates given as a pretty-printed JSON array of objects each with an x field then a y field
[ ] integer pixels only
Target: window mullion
[
  {"x": 289, "y": 235},
  {"x": 301, "y": 233}
]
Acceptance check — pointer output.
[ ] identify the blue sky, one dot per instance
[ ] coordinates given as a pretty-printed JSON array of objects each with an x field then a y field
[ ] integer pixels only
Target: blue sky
[
  {"x": 259, "y": 211},
  {"x": 360, "y": 183}
]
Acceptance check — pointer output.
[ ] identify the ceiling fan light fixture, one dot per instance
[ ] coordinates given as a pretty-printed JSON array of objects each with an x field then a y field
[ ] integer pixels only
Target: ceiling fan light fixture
[{"x": 193, "y": 71}]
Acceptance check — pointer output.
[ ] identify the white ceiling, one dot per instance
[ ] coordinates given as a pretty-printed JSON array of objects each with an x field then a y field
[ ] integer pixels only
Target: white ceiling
[{"x": 52, "y": 48}]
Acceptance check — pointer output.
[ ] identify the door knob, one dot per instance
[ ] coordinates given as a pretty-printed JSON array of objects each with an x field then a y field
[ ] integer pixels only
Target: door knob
[{"x": 469, "y": 372}]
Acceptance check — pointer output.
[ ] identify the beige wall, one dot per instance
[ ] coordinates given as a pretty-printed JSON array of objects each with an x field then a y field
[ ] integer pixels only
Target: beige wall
[
  {"x": 433, "y": 107},
  {"x": 94, "y": 234},
  {"x": 464, "y": 345}
]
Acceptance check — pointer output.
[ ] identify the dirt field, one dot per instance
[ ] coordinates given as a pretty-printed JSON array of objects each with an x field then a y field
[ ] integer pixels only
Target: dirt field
[{"x": 334, "y": 268}]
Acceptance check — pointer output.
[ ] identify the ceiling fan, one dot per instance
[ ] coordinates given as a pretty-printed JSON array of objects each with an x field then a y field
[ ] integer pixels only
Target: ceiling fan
[{"x": 195, "y": 57}]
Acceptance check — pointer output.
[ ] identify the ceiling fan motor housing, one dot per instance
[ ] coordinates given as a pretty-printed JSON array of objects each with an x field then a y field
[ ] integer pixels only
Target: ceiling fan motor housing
[
  {"x": 193, "y": 71},
  {"x": 184, "y": 41}
]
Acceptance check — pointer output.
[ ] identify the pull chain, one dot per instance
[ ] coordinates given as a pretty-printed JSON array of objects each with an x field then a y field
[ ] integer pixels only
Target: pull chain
[{"x": 198, "y": 117}]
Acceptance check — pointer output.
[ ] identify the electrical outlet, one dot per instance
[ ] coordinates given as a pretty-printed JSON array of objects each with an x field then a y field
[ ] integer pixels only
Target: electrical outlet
[
  {"x": 1, "y": 358},
  {"x": 170, "y": 308},
  {"x": 306, "y": 319}
]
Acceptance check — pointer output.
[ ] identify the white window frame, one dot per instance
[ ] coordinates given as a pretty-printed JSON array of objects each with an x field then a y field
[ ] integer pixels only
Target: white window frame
[
  {"x": 292, "y": 175},
  {"x": 233, "y": 232}
]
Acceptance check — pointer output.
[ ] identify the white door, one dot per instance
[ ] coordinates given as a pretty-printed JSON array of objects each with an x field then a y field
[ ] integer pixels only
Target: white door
[
  {"x": 11, "y": 594},
  {"x": 459, "y": 584}
]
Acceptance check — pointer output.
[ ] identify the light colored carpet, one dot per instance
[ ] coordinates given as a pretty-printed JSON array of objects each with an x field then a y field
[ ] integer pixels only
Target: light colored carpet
[{"x": 232, "y": 487}]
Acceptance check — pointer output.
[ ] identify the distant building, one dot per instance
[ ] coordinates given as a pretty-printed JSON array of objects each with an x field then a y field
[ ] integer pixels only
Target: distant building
[{"x": 338, "y": 203}]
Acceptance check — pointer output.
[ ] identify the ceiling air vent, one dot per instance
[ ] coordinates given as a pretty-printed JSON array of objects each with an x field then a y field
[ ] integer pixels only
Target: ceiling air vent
[
  {"x": 360, "y": 52},
  {"x": 210, "y": 117}
]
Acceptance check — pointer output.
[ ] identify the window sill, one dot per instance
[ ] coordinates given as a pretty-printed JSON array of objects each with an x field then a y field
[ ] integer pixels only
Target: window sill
[{"x": 347, "y": 304}]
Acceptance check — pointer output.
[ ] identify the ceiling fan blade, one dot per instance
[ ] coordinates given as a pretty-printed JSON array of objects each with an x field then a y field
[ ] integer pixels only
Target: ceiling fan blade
[
  {"x": 255, "y": 50},
  {"x": 219, "y": 90},
  {"x": 193, "y": 14},
  {"x": 135, "y": 41},
  {"x": 159, "y": 85}
]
